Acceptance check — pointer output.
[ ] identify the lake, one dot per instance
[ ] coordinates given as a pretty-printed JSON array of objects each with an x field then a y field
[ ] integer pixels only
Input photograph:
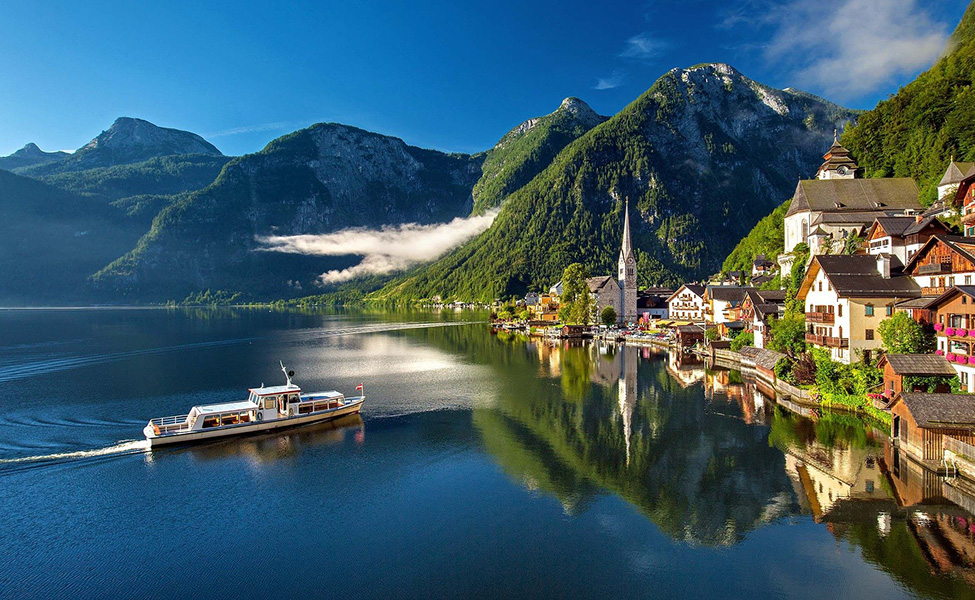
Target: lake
[{"x": 482, "y": 466}]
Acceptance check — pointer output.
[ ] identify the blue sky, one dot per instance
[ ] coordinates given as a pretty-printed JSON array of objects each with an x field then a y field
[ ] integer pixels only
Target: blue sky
[{"x": 448, "y": 75}]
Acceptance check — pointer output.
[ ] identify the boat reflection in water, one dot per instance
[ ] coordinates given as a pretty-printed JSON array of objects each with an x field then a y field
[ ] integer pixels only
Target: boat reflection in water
[
  {"x": 275, "y": 445},
  {"x": 708, "y": 463}
]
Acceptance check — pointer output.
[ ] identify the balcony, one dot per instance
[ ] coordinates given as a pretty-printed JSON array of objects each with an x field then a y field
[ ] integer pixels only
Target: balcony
[
  {"x": 820, "y": 317},
  {"x": 969, "y": 216},
  {"x": 934, "y": 268},
  {"x": 829, "y": 342},
  {"x": 934, "y": 291}
]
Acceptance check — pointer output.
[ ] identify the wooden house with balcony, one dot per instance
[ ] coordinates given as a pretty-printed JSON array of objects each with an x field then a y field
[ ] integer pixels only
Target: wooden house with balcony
[
  {"x": 902, "y": 236},
  {"x": 920, "y": 422},
  {"x": 964, "y": 198},
  {"x": 954, "y": 326},
  {"x": 757, "y": 310},
  {"x": 943, "y": 262},
  {"x": 846, "y": 298}
]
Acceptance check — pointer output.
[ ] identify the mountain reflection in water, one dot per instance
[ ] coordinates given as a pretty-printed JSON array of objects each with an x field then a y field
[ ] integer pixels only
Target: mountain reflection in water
[{"x": 707, "y": 468}]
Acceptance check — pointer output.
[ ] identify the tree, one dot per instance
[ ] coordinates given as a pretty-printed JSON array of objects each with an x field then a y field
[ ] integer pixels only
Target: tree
[
  {"x": 524, "y": 315},
  {"x": 744, "y": 338},
  {"x": 711, "y": 334},
  {"x": 608, "y": 316},
  {"x": 576, "y": 298},
  {"x": 504, "y": 314},
  {"x": 903, "y": 335},
  {"x": 788, "y": 334}
]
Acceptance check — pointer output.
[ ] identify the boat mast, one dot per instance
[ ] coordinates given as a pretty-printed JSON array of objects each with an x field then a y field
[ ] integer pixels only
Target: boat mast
[{"x": 287, "y": 374}]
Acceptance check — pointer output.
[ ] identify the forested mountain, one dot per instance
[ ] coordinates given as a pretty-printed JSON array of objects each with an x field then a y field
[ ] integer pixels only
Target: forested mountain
[
  {"x": 767, "y": 237},
  {"x": 702, "y": 156},
  {"x": 318, "y": 180},
  {"x": 915, "y": 132},
  {"x": 527, "y": 149},
  {"x": 29, "y": 156}
]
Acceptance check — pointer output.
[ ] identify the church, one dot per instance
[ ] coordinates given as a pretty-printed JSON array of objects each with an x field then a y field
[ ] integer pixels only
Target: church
[{"x": 618, "y": 293}]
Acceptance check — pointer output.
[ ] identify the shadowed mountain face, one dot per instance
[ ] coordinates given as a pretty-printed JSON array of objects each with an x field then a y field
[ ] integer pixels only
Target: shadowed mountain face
[
  {"x": 702, "y": 156},
  {"x": 321, "y": 179}
]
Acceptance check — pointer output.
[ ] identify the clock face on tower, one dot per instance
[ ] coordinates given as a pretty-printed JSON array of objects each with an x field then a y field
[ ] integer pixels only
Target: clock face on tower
[{"x": 842, "y": 170}]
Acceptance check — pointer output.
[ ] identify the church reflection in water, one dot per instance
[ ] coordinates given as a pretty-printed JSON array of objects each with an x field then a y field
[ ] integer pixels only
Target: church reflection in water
[{"x": 708, "y": 455}]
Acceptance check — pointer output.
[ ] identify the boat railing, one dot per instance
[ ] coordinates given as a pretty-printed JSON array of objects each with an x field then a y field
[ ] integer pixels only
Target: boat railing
[{"x": 171, "y": 424}]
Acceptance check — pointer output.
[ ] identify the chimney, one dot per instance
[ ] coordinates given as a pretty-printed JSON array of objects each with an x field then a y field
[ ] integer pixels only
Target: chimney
[
  {"x": 883, "y": 265},
  {"x": 917, "y": 219}
]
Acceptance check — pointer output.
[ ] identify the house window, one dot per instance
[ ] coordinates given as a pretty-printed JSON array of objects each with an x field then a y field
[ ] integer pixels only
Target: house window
[
  {"x": 951, "y": 281},
  {"x": 839, "y": 310},
  {"x": 963, "y": 377},
  {"x": 968, "y": 280},
  {"x": 964, "y": 299},
  {"x": 868, "y": 334},
  {"x": 820, "y": 286},
  {"x": 868, "y": 310},
  {"x": 890, "y": 309}
]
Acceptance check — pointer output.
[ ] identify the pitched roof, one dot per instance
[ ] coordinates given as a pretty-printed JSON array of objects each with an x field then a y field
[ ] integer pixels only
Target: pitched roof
[
  {"x": 941, "y": 410},
  {"x": 962, "y": 245},
  {"x": 848, "y": 217},
  {"x": 919, "y": 364},
  {"x": 727, "y": 293},
  {"x": 921, "y": 302},
  {"x": 769, "y": 309},
  {"x": 694, "y": 288},
  {"x": 762, "y": 356},
  {"x": 856, "y": 276},
  {"x": 889, "y": 195},
  {"x": 936, "y": 301},
  {"x": 772, "y": 295},
  {"x": 598, "y": 283},
  {"x": 955, "y": 172}
]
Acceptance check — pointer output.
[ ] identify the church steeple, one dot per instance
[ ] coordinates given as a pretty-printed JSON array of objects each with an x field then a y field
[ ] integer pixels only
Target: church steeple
[
  {"x": 626, "y": 248},
  {"x": 627, "y": 271}
]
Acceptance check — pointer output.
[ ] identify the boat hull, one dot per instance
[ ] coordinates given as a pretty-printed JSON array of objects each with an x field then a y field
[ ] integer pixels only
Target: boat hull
[{"x": 193, "y": 436}]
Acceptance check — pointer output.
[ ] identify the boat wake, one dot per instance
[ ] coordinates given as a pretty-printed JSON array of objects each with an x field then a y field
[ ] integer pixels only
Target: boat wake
[
  {"x": 43, "y": 367},
  {"x": 121, "y": 448}
]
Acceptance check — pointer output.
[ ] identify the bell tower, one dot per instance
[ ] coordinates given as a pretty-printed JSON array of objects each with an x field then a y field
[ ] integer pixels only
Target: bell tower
[{"x": 627, "y": 272}]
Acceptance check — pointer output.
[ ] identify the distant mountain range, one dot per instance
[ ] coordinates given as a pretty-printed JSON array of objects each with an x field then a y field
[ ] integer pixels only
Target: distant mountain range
[{"x": 702, "y": 155}]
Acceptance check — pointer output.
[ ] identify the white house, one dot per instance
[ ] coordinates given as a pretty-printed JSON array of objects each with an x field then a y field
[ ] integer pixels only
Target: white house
[{"x": 687, "y": 303}]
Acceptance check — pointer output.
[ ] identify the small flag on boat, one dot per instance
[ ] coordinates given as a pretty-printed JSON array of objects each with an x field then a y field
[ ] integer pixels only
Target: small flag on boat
[{"x": 358, "y": 387}]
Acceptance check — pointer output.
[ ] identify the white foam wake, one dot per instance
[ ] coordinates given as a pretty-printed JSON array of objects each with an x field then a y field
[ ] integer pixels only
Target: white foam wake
[{"x": 126, "y": 447}]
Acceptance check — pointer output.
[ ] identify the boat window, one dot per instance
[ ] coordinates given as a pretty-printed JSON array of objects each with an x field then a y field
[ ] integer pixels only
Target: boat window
[
  {"x": 270, "y": 401},
  {"x": 211, "y": 421},
  {"x": 231, "y": 419},
  {"x": 245, "y": 417}
]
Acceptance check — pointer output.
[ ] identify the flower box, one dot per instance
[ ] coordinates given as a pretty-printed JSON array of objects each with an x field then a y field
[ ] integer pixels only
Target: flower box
[
  {"x": 938, "y": 327},
  {"x": 961, "y": 332},
  {"x": 950, "y": 356},
  {"x": 961, "y": 359},
  {"x": 939, "y": 352},
  {"x": 950, "y": 331},
  {"x": 971, "y": 360}
]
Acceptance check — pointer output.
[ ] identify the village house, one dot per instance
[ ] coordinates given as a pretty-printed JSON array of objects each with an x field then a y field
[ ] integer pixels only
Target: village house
[
  {"x": 762, "y": 266},
  {"x": 954, "y": 325},
  {"x": 720, "y": 302},
  {"x": 545, "y": 307},
  {"x": 846, "y": 297},
  {"x": 965, "y": 199},
  {"x": 943, "y": 262},
  {"x": 837, "y": 204},
  {"x": 651, "y": 304},
  {"x": 758, "y": 309},
  {"x": 898, "y": 366},
  {"x": 921, "y": 421},
  {"x": 902, "y": 236},
  {"x": 687, "y": 304}
]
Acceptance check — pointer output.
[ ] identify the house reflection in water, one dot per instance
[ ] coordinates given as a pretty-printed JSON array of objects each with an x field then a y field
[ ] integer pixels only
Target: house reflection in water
[{"x": 686, "y": 369}]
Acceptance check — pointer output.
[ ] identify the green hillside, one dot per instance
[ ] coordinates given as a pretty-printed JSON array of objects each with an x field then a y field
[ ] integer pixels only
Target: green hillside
[
  {"x": 767, "y": 237},
  {"x": 915, "y": 132},
  {"x": 526, "y": 150}
]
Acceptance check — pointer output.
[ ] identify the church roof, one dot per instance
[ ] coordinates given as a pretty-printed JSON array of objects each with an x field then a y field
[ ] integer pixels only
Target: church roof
[
  {"x": 955, "y": 172},
  {"x": 597, "y": 284},
  {"x": 895, "y": 194},
  {"x": 836, "y": 157}
]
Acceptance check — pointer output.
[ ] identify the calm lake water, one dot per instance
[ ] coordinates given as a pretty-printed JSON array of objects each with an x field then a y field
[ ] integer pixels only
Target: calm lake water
[{"x": 482, "y": 466}]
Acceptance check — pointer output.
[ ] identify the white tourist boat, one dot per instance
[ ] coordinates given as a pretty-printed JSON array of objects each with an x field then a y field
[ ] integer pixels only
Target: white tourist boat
[{"x": 266, "y": 409}]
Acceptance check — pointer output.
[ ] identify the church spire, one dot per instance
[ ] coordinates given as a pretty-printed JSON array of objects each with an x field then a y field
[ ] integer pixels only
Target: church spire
[{"x": 627, "y": 247}]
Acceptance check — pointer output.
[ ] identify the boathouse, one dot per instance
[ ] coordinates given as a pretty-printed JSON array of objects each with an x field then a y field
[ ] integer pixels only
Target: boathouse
[
  {"x": 920, "y": 422},
  {"x": 897, "y": 367}
]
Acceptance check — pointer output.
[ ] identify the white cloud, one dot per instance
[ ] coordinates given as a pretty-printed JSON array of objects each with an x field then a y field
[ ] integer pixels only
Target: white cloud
[
  {"x": 849, "y": 48},
  {"x": 643, "y": 47},
  {"x": 385, "y": 250},
  {"x": 613, "y": 81}
]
